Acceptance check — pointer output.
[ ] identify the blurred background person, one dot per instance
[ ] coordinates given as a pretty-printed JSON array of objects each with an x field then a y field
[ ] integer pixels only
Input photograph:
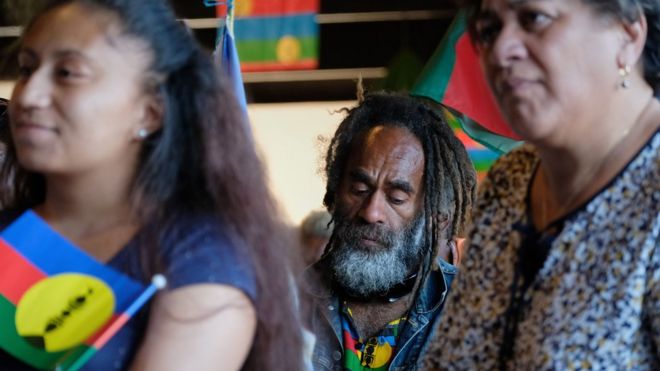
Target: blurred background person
[
  {"x": 315, "y": 232},
  {"x": 563, "y": 267},
  {"x": 126, "y": 141}
]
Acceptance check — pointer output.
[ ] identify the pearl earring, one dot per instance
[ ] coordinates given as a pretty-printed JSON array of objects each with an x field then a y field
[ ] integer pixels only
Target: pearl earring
[
  {"x": 624, "y": 72},
  {"x": 142, "y": 133}
]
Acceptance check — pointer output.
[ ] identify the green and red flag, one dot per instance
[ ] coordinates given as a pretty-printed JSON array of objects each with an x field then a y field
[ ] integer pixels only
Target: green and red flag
[
  {"x": 58, "y": 305},
  {"x": 273, "y": 35},
  {"x": 482, "y": 157},
  {"x": 454, "y": 78}
]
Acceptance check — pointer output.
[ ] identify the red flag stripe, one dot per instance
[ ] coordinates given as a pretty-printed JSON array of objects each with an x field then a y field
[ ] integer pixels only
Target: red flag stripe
[
  {"x": 468, "y": 92},
  {"x": 251, "y": 8},
  {"x": 16, "y": 273},
  {"x": 278, "y": 66}
]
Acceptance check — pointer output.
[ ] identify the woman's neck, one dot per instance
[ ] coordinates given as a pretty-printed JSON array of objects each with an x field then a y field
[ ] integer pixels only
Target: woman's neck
[
  {"x": 87, "y": 204},
  {"x": 572, "y": 173}
]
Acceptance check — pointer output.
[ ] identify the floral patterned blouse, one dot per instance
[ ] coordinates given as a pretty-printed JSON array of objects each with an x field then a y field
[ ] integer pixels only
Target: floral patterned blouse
[{"x": 594, "y": 303}]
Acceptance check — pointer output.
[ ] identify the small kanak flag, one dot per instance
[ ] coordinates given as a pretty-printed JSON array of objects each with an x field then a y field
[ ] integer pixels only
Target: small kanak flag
[{"x": 58, "y": 305}]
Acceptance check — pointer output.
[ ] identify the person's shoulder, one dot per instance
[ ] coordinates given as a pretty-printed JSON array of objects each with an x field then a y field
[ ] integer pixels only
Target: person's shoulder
[
  {"x": 199, "y": 248},
  {"x": 512, "y": 169},
  {"x": 643, "y": 170},
  {"x": 642, "y": 174},
  {"x": 651, "y": 153},
  {"x": 197, "y": 228},
  {"x": 518, "y": 160}
]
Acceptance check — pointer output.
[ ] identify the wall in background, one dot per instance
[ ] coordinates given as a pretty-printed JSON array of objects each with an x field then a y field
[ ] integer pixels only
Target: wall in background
[
  {"x": 5, "y": 89},
  {"x": 291, "y": 139}
]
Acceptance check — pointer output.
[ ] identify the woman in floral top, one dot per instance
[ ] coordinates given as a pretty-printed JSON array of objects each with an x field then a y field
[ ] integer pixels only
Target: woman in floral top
[{"x": 563, "y": 268}]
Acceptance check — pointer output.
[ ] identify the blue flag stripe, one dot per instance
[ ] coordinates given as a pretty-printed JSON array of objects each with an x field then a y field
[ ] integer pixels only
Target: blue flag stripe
[{"x": 53, "y": 254}]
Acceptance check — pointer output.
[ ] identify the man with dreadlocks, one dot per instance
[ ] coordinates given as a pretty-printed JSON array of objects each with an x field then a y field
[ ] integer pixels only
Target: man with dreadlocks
[{"x": 400, "y": 188}]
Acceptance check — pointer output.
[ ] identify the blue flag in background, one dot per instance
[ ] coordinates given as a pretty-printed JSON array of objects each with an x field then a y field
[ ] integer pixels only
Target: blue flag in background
[
  {"x": 225, "y": 52},
  {"x": 227, "y": 58}
]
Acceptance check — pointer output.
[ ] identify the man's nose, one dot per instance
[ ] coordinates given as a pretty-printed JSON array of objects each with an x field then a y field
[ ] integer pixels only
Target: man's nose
[{"x": 373, "y": 209}]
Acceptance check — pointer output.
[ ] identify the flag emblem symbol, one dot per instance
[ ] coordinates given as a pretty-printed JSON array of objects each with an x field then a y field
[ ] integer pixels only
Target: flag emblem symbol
[
  {"x": 243, "y": 7},
  {"x": 58, "y": 305},
  {"x": 288, "y": 49},
  {"x": 60, "y": 312}
]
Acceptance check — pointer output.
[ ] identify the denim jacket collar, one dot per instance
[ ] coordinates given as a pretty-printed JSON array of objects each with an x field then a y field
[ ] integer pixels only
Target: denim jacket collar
[{"x": 422, "y": 317}]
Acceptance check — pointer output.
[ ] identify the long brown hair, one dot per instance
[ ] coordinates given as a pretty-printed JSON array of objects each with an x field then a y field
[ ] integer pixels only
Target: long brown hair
[{"x": 202, "y": 161}]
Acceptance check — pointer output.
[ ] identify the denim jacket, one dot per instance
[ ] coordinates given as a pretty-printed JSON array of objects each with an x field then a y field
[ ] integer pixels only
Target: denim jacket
[{"x": 325, "y": 322}]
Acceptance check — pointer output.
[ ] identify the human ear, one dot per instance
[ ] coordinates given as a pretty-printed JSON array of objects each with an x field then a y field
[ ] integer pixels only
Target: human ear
[
  {"x": 155, "y": 112},
  {"x": 634, "y": 39},
  {"x": 151, "y": 116},
  {"x": 441, "y": 221}
]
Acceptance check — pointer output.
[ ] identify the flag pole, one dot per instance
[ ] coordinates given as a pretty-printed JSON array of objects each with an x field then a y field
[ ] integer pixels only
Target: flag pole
[{"x": 157, "y": 282}]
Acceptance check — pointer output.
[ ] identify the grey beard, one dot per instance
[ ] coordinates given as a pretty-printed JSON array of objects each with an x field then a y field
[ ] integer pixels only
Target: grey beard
[{"x": 364, "y": 273}]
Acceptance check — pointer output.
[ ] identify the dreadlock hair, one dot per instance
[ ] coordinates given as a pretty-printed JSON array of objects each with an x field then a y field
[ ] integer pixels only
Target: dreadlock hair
[{"x": 449, "y": 177}]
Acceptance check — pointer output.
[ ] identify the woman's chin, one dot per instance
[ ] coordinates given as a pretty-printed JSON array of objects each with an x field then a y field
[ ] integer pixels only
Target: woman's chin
[
  {"x": 532, "y": 128},
  {"x": 35, "y": 164}
]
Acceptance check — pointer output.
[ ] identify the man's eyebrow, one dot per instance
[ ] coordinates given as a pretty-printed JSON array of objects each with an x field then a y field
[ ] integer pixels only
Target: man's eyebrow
[
  {"x": 359, "y": 175},
  {"x": 402, "y": 185}
]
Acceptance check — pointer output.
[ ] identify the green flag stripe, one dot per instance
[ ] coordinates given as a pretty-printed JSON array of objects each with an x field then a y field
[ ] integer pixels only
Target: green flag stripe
[
  {"x": 15, "y": 345},
  {"x": 266, "y": 50},
  {"x": 434, "y": 79},
  {"x": 489, "y": 139}
]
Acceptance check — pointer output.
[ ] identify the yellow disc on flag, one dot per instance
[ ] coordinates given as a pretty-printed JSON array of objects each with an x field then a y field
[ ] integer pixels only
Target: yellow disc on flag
[
  {"x": 288, "y": 49},
  {"x": 243, "y": 7},
  {"x": 62, "y": 311},
  {"x": 382, "y": 356}
]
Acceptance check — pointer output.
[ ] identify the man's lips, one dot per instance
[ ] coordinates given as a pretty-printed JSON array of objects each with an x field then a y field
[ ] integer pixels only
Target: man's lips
[{"x": 371, "y": 242}]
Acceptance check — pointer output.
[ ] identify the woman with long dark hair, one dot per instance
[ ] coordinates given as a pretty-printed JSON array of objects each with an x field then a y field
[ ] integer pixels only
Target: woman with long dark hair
[{"x": 123, "y": 137}]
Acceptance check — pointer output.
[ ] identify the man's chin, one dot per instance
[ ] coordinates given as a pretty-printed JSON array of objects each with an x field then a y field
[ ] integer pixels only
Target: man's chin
[{"x": 358, "y": 294}]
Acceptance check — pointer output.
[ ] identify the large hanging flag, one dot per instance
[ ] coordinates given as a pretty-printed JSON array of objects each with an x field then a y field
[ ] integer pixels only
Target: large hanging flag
[
  {"x": 454, "y": 78},
  {"x": 481, "y": 156},
  {"x": 276, "y": 35},
  {"x": 58, "y": 305}
]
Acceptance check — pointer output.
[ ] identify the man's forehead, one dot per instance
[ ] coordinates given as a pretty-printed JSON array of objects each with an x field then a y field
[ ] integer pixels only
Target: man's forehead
[
  {"x": 391, "y": 148},
  {"x": 384, "y": 140}
]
